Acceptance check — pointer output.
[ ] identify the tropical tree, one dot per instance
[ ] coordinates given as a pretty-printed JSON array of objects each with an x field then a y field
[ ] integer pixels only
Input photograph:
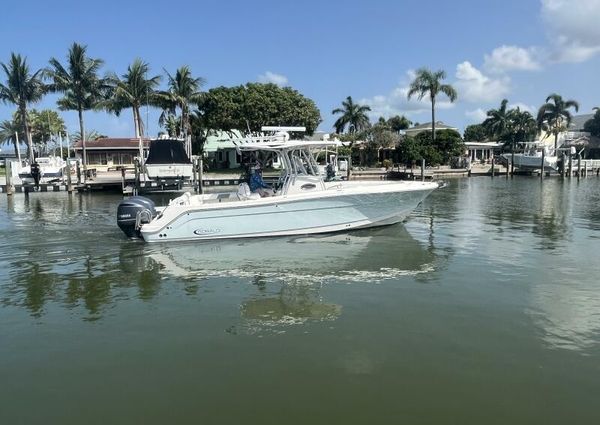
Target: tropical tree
[
  {"x": 554, "y": 115},
  {"x": 427, "y": 82},
  {"x": 475, "y": 133},
  {"x": 45, "y": 123},
  {"x": 183, "y": 90},
  {"x": 90, "y": 136},
  {"x": 133, "y": 90},
  {"x": 522, "y": 127},
  {"x": 21, "y": 89},
  {"x": 254, "y": 105},
  {"x": 399, "y": 123},
  {"x": 11, "y": 132},
  {"x": 353, "y": 115},
  {"x": 83, "y": 89},
  {"x": 497, "y": 122},
  {"x": 592, "y": 125}
]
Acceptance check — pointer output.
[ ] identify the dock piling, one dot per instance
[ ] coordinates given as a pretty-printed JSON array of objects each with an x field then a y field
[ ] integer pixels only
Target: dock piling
[
  {"x": 78, "y": 173},
  {"x": 422, "y": 170},
  {"x": 9, "y": 186},
  {"x": 69, "y": 182},
  {"x": 543, "y": 163},
  {"x": 570, "y": 166},
  {"x": 493, "y": 170}
]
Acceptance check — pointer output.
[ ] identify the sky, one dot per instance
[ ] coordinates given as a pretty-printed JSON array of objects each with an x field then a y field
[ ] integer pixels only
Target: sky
[{"x": 521, "y": 50}]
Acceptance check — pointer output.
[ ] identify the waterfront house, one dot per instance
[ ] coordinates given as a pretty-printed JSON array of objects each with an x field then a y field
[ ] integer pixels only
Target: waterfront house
[
  {"x": 439, "y": 125},
  {"x": 111, "y": 153},
  {"x": 482, "y": 151},
  {"x": 220, "y": 151}
]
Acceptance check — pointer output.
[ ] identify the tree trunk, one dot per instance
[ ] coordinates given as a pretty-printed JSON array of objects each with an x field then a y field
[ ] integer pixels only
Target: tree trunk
[
  {"x": 82, "y": 133},
  {"x": 136, "y": 122},
  {"x": 140, "y": 122},
  {"x": 555, "y": 141},
  {"x": 183, "y": 129},
  {"x": 29, "y": 141},
  {"x": 433, "y": 119}
]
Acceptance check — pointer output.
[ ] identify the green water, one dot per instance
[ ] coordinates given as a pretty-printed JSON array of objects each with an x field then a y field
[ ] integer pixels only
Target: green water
[{"x": 483, "y": 308}]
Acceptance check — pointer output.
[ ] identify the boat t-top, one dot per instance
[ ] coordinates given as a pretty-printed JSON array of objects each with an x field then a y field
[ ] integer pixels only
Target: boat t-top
[{"x": 301, "y": 202}]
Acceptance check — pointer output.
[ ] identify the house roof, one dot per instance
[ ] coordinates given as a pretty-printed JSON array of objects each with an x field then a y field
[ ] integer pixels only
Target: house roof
[
  {"x": 579, "y": 121},
  {"x": 108, "y": 143},
  {"x": 439, "y": 125}
]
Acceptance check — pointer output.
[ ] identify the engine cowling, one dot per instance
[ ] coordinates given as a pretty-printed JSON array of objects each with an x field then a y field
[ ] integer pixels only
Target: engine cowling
[{"x": 133, "y": 212}]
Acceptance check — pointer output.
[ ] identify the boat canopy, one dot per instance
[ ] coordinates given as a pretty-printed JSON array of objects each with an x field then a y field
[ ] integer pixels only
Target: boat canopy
[{"x": 167, "y": 151}]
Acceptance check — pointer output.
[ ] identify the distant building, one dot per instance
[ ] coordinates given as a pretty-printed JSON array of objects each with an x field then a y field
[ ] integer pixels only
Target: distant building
[
  {"x": 482, "y": 151},
  {"x": 108, "y": 153},
  {"x": 220, "y": 150},
  {"x": 439, "y": 125}
]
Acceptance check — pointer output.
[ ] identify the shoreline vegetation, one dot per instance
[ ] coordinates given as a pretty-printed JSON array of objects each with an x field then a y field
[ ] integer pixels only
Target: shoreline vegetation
[{"x": 190, "y": 113}]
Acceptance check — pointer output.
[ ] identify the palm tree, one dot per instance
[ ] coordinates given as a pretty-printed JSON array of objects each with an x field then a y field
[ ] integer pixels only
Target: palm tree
[
  {"x": 428, "y": 82},
  {"x": 523, "y": 126},
  {"x": 497, "y": 122},
  {"x": 134, "y": 90},
  {"x": 21, "y": 89},
  {"x": 183, "y": 90},
  {"x": 80, "y": 84},
  {"x": 555, "y": 116},
  {"x": 90, "y": 136},
  {"x": 353, "y": 115},
  {"x": 9, "y": 132}
]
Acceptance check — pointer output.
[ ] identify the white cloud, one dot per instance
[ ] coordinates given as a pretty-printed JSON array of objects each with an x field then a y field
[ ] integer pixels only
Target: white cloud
[
  {"x": 572, "y": 28},
  {"x": 508, "y": 58},
  {"x": 474, "y": 86},
  {"x": 397, "y": 103},
  {"x": 476, "y": 115},
  {"x": 271, "y": 77}
]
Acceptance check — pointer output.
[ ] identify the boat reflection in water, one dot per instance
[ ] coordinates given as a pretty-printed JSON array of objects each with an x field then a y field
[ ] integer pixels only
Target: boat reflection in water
[
  {"x": 361, "y": 256},
  {"x": 290, "y": 273}
]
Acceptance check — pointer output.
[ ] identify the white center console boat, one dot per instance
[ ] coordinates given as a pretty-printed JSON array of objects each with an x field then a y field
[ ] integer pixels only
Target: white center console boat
[
  {"x": 50, "y": 169},
  {"x": 302, "y": 202}
]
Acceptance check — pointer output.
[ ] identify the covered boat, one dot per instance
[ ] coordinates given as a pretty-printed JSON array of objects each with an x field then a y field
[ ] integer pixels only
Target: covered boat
[{"x": 168, "y": 160}]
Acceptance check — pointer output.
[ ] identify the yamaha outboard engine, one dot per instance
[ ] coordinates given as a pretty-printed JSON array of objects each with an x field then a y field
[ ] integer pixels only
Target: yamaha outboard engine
[{"x": 133, "y": 212}]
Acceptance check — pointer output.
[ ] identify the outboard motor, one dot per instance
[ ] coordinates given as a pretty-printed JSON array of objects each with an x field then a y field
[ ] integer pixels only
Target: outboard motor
[{"x": 133, "y": 212}]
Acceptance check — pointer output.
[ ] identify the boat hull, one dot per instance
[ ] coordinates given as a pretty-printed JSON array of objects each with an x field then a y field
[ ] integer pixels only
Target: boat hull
[
  {"x": 288, "y": 216},
  {"x": 531, "y": 162},
  {"x": 47, "y": 176},
  {"x": 169, "y": 171}
]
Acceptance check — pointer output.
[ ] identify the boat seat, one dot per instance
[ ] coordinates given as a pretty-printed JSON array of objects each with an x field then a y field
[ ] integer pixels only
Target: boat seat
[
  {"x": 244, "y": 193},
  {"x": 185, "y": 199}
]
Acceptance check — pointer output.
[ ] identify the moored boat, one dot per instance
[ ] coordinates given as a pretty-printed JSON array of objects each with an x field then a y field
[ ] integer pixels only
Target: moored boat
[
  {"x": 531, "y": 158},
  {"x": 167, "y": 160},
  {"x": 45, "y": 170}
]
